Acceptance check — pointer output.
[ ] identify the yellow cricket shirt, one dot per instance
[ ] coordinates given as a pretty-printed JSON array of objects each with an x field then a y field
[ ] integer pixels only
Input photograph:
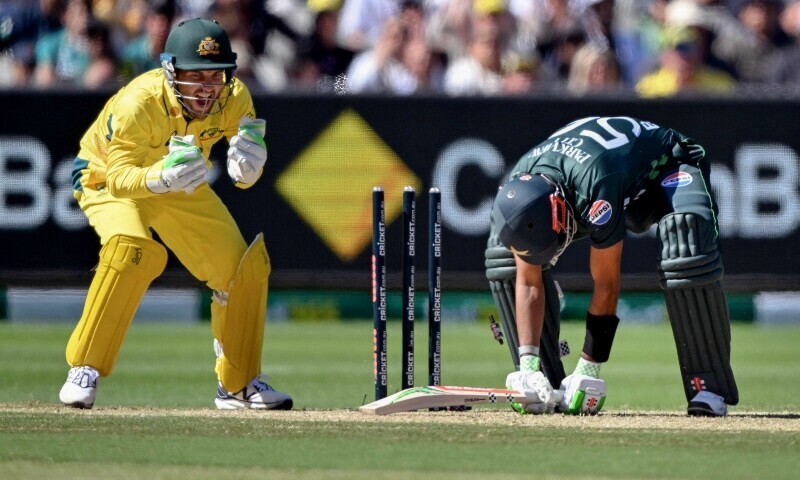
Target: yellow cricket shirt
[
  {"x": 133, "y": 132},
  {"x": 663, "y": 83}
]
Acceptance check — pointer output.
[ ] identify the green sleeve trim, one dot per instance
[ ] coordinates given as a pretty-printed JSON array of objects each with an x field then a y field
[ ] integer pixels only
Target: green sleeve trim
[{"x": 78, "y": 166}]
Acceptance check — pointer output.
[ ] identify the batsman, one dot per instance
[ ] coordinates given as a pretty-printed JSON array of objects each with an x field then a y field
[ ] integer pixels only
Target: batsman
[
  {"x": 141, "y": 169},
  {"x": 599, "y": 177}
]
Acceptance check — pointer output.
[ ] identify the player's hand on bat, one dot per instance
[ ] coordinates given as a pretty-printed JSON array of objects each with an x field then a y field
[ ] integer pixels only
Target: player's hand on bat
[
  {"x": 540, "y": 395},
  {"x": 248, "y": 151},
  {"x": 183, "y": 168}
]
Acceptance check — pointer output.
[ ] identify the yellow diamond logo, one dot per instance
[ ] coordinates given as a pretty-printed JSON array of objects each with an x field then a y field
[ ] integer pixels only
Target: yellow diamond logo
[{"x": 330, "y": 183}]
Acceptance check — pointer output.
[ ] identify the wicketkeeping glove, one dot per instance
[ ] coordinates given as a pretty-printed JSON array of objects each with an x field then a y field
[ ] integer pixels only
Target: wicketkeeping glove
[
  {"x": 248, "y": 152},
  {"x": 183, "y": 168}
]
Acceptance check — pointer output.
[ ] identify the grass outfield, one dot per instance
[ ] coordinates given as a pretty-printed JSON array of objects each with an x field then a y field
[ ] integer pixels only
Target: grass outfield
[{"x": 154, "y": 418}]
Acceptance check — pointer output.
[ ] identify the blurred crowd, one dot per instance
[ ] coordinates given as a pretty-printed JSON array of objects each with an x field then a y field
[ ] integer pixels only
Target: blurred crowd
[{"x": 649, "y": 48}]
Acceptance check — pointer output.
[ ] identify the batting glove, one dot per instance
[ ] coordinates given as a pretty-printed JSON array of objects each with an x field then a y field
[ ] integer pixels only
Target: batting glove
[
  {"x": 537, "y": 389},
  {"x": 688, "y": 149},
  {"x": 248, "y": 152},
  {"x": 582, "y": 395},
  {"x": 183, "y": 168}
]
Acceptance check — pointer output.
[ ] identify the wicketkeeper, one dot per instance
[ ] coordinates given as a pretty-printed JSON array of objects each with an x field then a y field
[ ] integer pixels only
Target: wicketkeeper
[
  {"x": 141, "y": 169},
  {"x": 599, "y": 177}
]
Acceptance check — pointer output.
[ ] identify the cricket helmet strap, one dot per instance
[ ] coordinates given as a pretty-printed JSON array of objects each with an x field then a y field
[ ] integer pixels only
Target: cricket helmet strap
[{"x": 533, "y": 219}]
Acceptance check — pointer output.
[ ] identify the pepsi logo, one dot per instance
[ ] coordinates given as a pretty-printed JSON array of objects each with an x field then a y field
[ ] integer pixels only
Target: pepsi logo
[
  {"x": 677, "y": 179},
  {"x": 600, "y": 213}
]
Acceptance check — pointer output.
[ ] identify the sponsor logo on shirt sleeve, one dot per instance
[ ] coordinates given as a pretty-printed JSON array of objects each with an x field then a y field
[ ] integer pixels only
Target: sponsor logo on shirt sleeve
[
  {"x": 677, "y": 180},
  {"x": 600, "y": 213}
]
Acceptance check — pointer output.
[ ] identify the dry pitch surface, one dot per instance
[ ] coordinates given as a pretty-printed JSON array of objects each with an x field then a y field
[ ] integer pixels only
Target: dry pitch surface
[{"x": 634, "y": 420}]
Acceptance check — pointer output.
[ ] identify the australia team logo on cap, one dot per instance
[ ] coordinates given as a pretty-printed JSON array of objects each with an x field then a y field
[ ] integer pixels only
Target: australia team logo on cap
[
  {"x": 208, "y": 46},
  {"x": 677, "y": 179},
  {"x": 600, "y": 213}
]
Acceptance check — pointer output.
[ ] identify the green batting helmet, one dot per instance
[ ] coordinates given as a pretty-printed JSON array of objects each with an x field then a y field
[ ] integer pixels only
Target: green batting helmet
[{"x": 199, "y": 44}]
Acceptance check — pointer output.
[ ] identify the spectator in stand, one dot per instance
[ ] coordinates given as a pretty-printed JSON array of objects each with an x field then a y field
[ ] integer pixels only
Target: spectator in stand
[
  {"x": 193, "y": 8},
  {"x": 520, "y": 73},
  {"x": 558, "y": 28},
  {"x": 397, "y": 64},
  {"x": 497, "y": 60},
  {"x": 413, "y": 16},
  {"x": 420, "y": 49},
  {"x": 731, "y": 32},
  {"x": 449, "y": 26},
  {"x": 717, "y": 30},
  {"x": 263, "y": 23},
  {"x": 560, "y": 52},
  {"x": 101, "y": 74},
  {"x": 790, "y": 20},
  {"x": 541, "y": 21},
  {"x": 22, "y": 23},
  {"x": 234, "y": 17},
  {"x": 784, "y": 66},
  {"x": 380, "y": 69},
  {"x": 479, "y": 71},
  {"x": 142, "y": 53},
  {"x": 424, "y": 66},
  {"x": 594, "y": 70},
  {"x": 361, "y": 25},
  {"x": 266, "y": 38},
  {"x": 107, "y": 10},
  {"x": 597, "y": 19},
  {"x": 682, "y": 69},
  {"x": 320, "y": 59},
  {"x": 648, "y": 31},
  {"x": 125, "y": 17},
  {"x": 62, "y": 57},
  {"x": 760, "y": 18},
  {"x": 496, "y": 13}
]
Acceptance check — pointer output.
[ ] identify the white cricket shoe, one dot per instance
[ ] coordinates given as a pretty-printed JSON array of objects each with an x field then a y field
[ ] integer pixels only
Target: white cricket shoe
[
  {"x": 583, "y": 395},
  {"x": 80, "y": 388},
  {"x": 707, "y": 404},
  {"x": 537, "y": 389},
  {"x": 256, "y": 395}
]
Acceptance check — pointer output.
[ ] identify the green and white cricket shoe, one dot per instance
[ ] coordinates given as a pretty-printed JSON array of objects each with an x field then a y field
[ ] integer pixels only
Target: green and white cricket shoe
[
  {"x": 707, "y": 404},
  {"x": 257, "y": 395},
  {"x": 583, "y": 395},
  {"x": 80, "y": 389}
]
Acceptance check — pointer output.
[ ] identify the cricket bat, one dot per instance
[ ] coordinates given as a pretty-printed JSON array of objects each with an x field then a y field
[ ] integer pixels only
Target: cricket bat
[{"x": 418, "y": 398}]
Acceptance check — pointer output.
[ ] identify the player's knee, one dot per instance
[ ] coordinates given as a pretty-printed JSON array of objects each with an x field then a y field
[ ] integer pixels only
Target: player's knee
[
  {"x": 251, "y": 264},
  {"x": 137, "y": 255},
  {"x": 254, "y": 266},
  {"x": 688, "y": 251}
]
